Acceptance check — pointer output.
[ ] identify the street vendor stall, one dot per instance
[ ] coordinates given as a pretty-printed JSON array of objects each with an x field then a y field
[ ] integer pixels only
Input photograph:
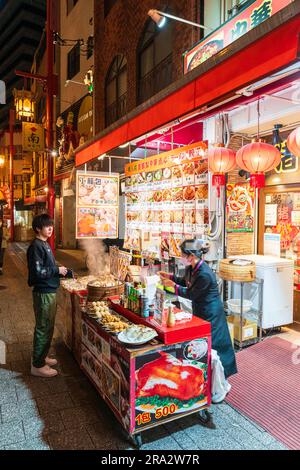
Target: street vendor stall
[
  {"x": 147, "y": 371},
  {"x": 147, "y": 382}
]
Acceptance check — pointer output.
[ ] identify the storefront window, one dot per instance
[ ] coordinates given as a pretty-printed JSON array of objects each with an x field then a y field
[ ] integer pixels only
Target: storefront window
[{"x": 282, "y": 217}]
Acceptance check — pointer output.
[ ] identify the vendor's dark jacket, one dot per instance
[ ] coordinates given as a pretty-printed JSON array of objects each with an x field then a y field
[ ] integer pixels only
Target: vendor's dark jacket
[
  {"x": 43, "y": 273},
  {"x": 200, "y": 286}
]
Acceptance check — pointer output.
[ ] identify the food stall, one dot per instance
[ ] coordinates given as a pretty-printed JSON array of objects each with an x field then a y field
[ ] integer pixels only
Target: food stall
[{"x": 148, "y": 374}]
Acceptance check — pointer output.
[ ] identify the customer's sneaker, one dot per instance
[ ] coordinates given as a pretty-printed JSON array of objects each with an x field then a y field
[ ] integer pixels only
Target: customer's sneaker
[
  {"x": 45, "y": 371},
  {"x": 50, "y": 361}
]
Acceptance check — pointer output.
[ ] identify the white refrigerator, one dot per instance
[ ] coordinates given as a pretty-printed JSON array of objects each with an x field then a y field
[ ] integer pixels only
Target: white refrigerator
[{"x": 278, "y": 289}]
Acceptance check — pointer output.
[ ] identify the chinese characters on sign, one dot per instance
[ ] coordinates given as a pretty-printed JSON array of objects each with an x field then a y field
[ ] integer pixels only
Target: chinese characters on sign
[
  {"x": 289, "y": 163},
  {"x": 166, "y": 200},
  {"x": 32, "y": 137},
  {"x": 97, "y": 205},
  {"x": 246, "y": 20}
]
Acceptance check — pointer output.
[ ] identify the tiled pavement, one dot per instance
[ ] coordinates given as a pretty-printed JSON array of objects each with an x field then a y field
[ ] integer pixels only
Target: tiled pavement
[{"x": 66, "y": 413}]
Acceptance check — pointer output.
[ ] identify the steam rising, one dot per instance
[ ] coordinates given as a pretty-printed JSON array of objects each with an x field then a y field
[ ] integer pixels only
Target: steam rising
[{"x": 97, "y": 258}]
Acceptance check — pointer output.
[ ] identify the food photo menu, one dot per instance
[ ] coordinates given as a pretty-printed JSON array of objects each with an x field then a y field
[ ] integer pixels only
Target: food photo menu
[{"x": 167, "y": 194}]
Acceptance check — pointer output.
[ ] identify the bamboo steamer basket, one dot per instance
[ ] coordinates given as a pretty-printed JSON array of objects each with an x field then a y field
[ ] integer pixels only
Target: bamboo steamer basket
[
  {"x": 233, "y": 272},
  {"x": 102, "y": 293}
]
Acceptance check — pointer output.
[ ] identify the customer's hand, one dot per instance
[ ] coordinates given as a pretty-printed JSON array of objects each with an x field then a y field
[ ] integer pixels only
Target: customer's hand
[
  {"x": 168, "y": 283},
  {"x": 62, "y": 270},
  {"x": 163, "y": 275}
]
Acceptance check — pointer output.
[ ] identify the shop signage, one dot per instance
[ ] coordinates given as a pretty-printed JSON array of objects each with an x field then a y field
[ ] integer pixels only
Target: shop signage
[
  {"x": 97, "y": 205},
  {"x": 167, "y": 159},
  {"x": 85, "y": 119},
  {"x": 233, "y": 29},
  {"x": 32, "y": 137},
  {"x": 289, "y": 163}
]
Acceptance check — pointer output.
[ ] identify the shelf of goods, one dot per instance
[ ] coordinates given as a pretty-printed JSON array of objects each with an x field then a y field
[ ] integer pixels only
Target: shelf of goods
[{"x": 149, "y": 384}]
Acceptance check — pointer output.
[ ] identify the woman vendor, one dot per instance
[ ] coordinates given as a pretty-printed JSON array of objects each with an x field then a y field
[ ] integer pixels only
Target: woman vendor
[{"x": 200, "y": 286}]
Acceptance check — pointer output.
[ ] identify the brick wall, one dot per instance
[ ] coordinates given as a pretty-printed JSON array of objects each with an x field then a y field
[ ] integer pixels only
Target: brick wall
[{"x": 119, "y": 33}]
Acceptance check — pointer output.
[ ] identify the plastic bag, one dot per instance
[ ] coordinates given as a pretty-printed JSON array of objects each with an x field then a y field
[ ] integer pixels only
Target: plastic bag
[
  {"x": 185, "y": 304},
  {"x": 219, "y": 385}
]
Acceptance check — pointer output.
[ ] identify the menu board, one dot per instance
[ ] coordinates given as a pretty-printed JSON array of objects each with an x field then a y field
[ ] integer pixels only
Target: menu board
[
  {"x": 240, "y": 208},
  {"x": 167, "y": 195},
  {"x": 97, "y": 205}
]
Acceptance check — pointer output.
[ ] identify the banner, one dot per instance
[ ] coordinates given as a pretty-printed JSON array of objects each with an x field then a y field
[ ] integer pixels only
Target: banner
[
  {"x": 233, "y": 29},
  {"x": 32, "y": 137},
  {"x": 97, "y": 205},
  {"x": 240, "y": 208}
]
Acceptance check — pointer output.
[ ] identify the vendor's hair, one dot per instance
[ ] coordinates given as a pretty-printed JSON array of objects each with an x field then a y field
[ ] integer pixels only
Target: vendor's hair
[{"x": 41, "y": 221}]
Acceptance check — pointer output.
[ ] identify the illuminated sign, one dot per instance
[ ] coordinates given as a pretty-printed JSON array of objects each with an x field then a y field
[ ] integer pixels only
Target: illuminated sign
[{"x": 233, "y": 29}]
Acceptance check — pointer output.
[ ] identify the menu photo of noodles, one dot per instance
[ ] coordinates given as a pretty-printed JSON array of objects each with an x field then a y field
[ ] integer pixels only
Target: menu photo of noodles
[{"x": 240, "y": 208}]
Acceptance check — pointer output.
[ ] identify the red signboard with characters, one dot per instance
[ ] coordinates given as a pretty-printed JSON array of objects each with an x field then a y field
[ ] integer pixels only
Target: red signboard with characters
[{"x": 248, "y": 19}]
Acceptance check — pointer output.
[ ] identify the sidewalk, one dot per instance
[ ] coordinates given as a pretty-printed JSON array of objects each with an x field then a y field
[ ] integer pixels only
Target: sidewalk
[{"x": 66, "y": 412}]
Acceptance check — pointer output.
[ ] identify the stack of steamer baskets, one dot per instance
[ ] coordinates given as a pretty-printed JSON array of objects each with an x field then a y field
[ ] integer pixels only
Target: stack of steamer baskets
[
  {"x": 237, "y": 270},
  {"x": 104, "y": 287}
]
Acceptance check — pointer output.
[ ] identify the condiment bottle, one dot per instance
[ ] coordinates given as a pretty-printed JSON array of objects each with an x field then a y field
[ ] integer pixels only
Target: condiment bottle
[{"x": 171, "y": 317}]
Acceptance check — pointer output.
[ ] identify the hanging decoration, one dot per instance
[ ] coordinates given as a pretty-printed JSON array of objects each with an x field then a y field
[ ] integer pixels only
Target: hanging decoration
[
  {"x": 221, "y": 160},
  {"x": 258, "y": 158},
  {"x": 293, "y": 142},
  {"x": 25, "y": 104}
]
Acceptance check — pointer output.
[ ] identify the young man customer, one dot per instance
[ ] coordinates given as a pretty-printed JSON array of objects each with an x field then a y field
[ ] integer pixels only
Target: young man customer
[{"x": 44, "y": 277}]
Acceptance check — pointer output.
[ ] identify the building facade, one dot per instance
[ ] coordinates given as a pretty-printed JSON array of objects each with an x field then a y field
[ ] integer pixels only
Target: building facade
[
  {"x": 135, "y": 60},
  {"x": 74, "y": 123}
]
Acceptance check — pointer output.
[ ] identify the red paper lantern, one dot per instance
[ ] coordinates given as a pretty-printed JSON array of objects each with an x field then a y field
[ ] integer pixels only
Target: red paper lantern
[
  {"x": 257, "y": 158},
  {"x": 293, "y": 142},
  {"x": 221, "y": 160}
]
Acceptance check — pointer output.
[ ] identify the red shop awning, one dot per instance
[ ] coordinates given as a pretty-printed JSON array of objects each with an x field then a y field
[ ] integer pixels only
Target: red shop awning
[{"x": 273, "y": 51}]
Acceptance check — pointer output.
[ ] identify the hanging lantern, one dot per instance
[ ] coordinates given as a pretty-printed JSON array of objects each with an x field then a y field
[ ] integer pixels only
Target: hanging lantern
[
  {"x": 221, "y": 160},
  {"x": 257, "y": 158},
  {"x": 293, "y": 142},
  {"x": 25, "y": 104}
]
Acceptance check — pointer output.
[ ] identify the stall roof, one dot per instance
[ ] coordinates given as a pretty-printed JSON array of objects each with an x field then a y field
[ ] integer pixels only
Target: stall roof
[{"x": 269, "y": 47}]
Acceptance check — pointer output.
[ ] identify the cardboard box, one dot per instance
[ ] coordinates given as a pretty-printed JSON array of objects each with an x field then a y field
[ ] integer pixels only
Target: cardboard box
[{"x": 249, "y": 329}]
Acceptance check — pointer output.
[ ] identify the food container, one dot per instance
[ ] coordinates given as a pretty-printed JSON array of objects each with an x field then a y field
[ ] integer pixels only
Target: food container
[
  {"x": 235, "y": 305},
  {"x": 231, "y": 270},
  {"x": 100, "y": 293}
]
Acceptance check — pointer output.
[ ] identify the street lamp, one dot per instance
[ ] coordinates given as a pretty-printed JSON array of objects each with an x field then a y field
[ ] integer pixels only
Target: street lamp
[
  {"x": 159, "y": 17},
  {"x": 25, "y": 104}
]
